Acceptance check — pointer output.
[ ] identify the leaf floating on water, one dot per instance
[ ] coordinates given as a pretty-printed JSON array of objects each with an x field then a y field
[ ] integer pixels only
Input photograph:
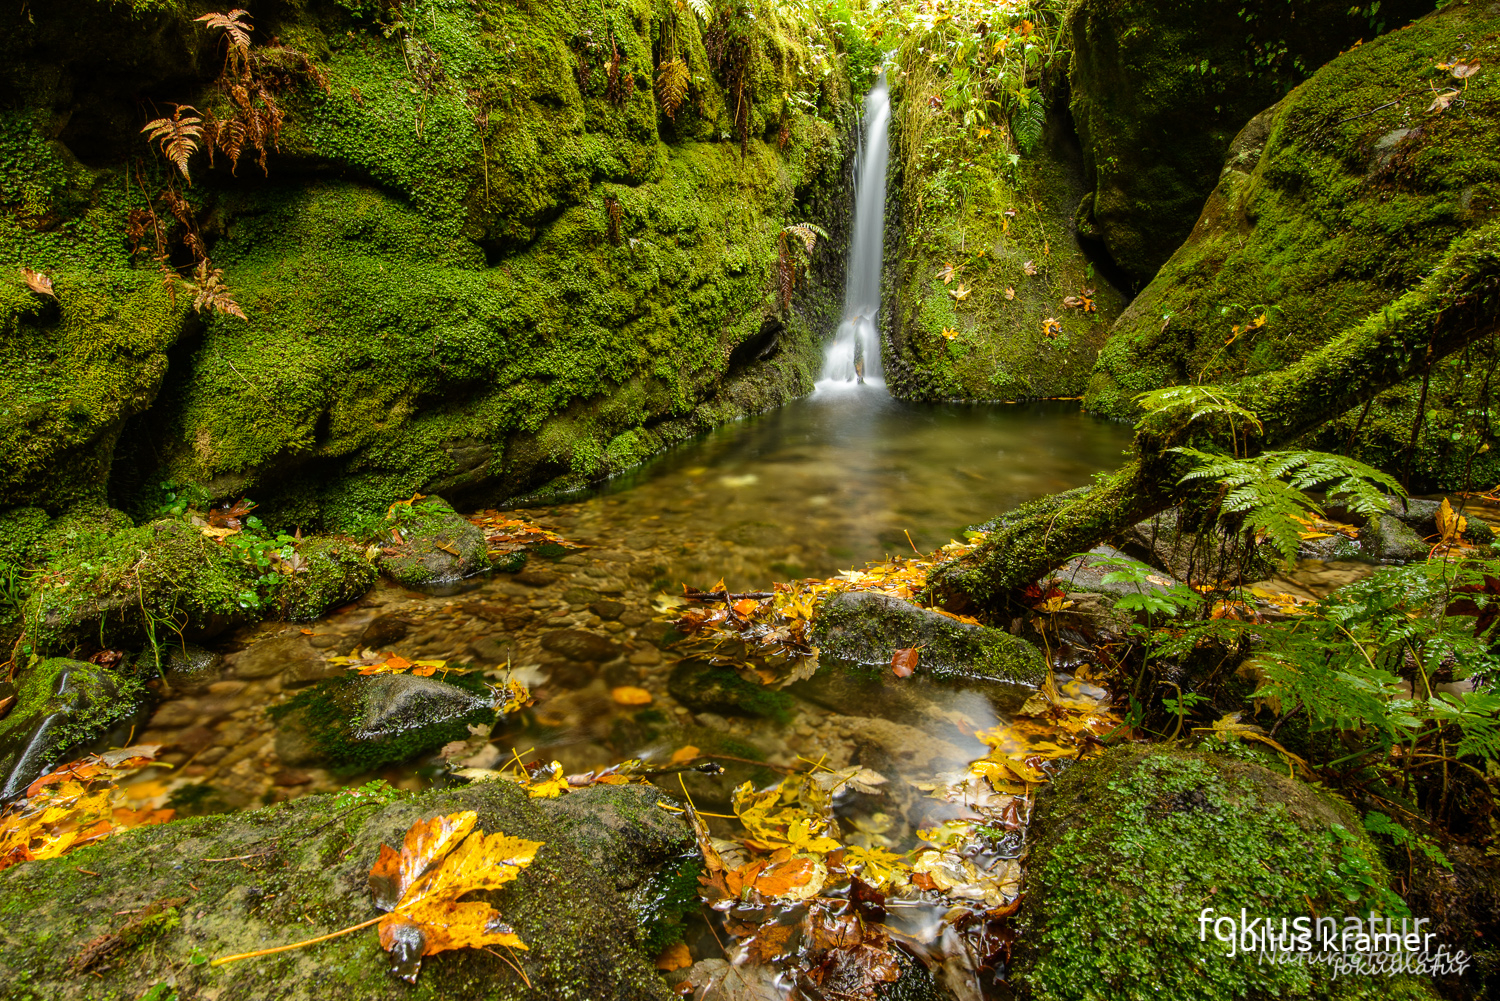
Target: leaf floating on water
[
  {"x": 629, "y": 695},
  {"x": 674, "y": 957},
  {"x": 440, "y": 862},
  {"x": 904, "y": 662},
  {"x": 76, "y": 805}
]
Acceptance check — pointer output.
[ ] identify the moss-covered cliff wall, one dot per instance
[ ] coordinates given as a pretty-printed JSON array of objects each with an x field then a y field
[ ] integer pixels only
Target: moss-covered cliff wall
[
  {"x": 481, "y": 257},
  {"x": 1161, "y": 87},
  {"x": 1330, "y": 206}
]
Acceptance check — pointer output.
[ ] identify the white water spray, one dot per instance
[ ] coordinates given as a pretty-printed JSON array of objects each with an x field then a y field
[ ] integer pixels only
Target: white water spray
[{"x": 854, "y": 355}]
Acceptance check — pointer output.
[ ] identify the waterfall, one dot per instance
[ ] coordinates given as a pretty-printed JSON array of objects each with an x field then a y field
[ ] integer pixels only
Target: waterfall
[{"x": 854, "y": 355}]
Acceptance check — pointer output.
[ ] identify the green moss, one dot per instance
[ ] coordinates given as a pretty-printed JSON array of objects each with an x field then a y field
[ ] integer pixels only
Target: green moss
[
  {"x": 582, "y": 937},
  {"x": 145, "y": 585},
  {"x": 1132, "y": 847},
  {"x": 60, "y": 704},
  {"x": 331, "y": 712},
  {"x": 1161, "y": 87},
  {"x": 967, "y": 202},
  {"x": 1323, "y": 217}
]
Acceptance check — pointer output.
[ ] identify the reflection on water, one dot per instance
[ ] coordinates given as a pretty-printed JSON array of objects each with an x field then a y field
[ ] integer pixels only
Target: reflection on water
[{"x": 841, "y": 477}]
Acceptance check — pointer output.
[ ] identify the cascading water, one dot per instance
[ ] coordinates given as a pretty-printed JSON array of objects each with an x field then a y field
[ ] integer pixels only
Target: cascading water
[{"x": 854, "y": 355}]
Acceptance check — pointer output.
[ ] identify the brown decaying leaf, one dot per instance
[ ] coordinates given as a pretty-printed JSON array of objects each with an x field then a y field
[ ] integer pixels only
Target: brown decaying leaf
[
  {"x": 38, "y": 282},
  {"x": 904, "y": 662},
  {"x": 439, "y": 862}
]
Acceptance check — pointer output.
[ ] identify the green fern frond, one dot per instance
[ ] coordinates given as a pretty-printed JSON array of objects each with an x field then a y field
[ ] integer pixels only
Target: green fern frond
[
  {"x": 1201, "y": 400},
  {"x": 1267, "y": 490}
]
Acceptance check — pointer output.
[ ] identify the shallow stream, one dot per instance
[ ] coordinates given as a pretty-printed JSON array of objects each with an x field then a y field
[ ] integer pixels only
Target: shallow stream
[{"x": 845, "y": 476}]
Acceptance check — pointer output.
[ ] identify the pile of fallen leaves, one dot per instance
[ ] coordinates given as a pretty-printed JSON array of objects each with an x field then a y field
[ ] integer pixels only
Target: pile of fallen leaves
[
  {"x": 369, "y": 661},
  {"x": 79, "y": 804},
  {"x": 819, "y": 895},
  {"x": 504, "y": 534}
]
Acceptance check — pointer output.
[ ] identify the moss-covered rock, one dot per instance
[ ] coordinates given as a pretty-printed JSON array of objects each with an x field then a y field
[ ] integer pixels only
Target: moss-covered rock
[
  {"x": 436, "y": 545},
  {"x": 143, "y": 586},
  {"x": 1005, "y": 225},
  {"x": 474, "y": 263},
  {"x": 1332, "y": 205},
  {"x": 713, "y": 688},
  {"x": 59, "y": 704},
  {"x": 865, "y": 628},
  {"x": 1131, "y": 847},
  {"x": 307, "y": 877},
  {"x": 1160, "y": 87},
  {"x": 359, "y": 723}
]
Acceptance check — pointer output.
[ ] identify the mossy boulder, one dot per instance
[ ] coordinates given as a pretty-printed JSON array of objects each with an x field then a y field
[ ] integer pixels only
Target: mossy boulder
[
  {"x": 1006, "y": 227},
  {"x": 307, "y": 876},
  {"x": 1333, "y": 204},
  {"x": 59, "y": 705},
  {"x": 864, "y": 629},
  {"x": 143, "y": 585},
  {"x": 359, "y": 723},
  {"x": 1128, "y": 850},
  {"x": 1161, "y": 87},
  {"x": 436, "y": 545},
  {"x": 713, "y": 688}
]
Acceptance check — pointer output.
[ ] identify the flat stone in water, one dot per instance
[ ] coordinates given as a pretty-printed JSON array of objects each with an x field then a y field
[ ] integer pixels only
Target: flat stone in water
[
  {"x": 866, "y": 628},
  {"x": 536, "y": 578},
  {"x": 608, "y": 610},
  {"x": 395, "y": 703},
  {"x": 579, "y": 596},
  {"x": 575, "y": 644}
]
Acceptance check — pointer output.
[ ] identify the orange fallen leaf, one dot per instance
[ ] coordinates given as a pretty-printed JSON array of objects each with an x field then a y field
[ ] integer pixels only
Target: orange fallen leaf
[
  {"x": 745, "y": 606},
  {"x": 904, "y": 662},
  {"x": 682, "y": 754},
  {"x": 674, "y": 957},
  {"x": 628, "y": 695},
  {"x": 420, "y": 885}
]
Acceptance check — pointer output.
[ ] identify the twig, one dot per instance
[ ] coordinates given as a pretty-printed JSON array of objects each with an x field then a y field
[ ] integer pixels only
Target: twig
[
  {"x": 725, "y": 596},
  {"x": 236, "y": 858}
]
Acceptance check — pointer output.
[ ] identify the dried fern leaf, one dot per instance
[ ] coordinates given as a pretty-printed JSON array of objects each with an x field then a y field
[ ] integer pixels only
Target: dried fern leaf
[
  {"x": 178, "y": 136},
  {"x": 672, "y": 85},
  {"x": 237, "y": 30}
]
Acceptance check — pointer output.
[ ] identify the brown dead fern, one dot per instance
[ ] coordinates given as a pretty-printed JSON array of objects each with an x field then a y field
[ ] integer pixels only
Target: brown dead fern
[
  {"x": 672, "y": 79},
  {"x": 793, "y": 254},
  {"x": 178, "y": 136}
]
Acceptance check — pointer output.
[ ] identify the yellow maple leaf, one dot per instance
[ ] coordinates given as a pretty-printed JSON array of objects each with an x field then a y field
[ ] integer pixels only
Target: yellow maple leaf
[
  {"x": 556, "y": 785},
  {"x": 438, "y": 863}
]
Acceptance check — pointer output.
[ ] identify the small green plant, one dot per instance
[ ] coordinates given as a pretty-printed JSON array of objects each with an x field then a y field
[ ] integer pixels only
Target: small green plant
[
  {"x": 1378, "y": 823},
  {"x": 376, "y": 793}
]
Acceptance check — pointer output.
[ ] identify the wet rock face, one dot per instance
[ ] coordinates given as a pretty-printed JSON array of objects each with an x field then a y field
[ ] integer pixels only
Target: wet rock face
[
  {"x": 1130, "y": 847},
  {"x": 584, "y": 938},
  {"x": 866, "y": 628},
  {"x": 362, "y": 722},
  {"x": 1161, "y": 87},
  {"x": 59, "y": 705},
  {"x": 1389, "y": 540},
  {"x": 1321, "y": 215},
  {"x": 437, "y": 547}
]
